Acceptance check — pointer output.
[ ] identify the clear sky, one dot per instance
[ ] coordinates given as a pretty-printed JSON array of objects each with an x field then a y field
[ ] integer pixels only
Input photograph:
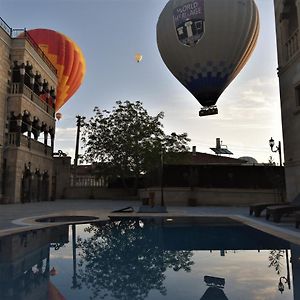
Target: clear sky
[{"x": 110, "y": 32}]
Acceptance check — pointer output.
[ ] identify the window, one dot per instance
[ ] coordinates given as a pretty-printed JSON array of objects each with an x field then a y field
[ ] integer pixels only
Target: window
[{"x": 199, "y": 27}]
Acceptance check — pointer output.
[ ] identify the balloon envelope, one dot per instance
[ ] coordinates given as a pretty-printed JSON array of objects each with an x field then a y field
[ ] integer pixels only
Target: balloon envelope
[
  {"x": 138, "y": 57},
  {"x": 205, "y": 43},
  {"x": 66, "y": 57},
  {"x": 58, "y": 116}
]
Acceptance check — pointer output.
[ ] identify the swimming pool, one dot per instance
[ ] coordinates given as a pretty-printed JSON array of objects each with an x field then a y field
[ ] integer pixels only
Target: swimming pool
[{"x": 149, "y": 258}]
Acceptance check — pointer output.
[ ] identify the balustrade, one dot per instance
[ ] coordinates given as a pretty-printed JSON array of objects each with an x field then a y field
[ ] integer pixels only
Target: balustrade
[
  {"x": 292, "y": 45},
  {"x": 18, "y": 88},
  {"x": 12, "y": 139},
  {"x": 88, "y": 181},
  {"x": 34, "y": 145}
]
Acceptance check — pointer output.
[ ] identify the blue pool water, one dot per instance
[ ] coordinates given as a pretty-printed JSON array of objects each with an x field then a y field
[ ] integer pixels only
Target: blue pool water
[{"x": 180, "y": 258}]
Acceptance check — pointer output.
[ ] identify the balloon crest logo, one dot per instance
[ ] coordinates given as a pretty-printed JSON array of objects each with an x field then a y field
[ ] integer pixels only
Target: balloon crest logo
[
  {"x": 189, "y": 22},
  {"x": 206, "y": 43}
]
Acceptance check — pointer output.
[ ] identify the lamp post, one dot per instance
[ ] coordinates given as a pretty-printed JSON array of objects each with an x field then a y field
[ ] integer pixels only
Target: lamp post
[
  {"x": 283, "y": 280},
  {"x": 162, "y": 202},
  {"x": 79, "y": 124},
  {"x": 278, "y": 149}
]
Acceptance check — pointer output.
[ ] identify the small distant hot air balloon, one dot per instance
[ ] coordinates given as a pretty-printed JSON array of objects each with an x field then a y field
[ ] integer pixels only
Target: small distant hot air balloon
[
  {"x": 205, "y": 44},
  {"x": 66, "y": 57},
  {"x": 138, "y": 57},
  {"x": 53, "y": 272},
  {"x": 58, "y": 116}
]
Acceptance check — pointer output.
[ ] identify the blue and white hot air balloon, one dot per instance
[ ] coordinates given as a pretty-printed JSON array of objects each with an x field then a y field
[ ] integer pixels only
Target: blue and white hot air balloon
[{"x": 205, "y": 44}]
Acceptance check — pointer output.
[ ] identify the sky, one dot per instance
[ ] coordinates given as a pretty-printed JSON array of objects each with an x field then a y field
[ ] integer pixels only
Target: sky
[{"x": 111, "y": 32}]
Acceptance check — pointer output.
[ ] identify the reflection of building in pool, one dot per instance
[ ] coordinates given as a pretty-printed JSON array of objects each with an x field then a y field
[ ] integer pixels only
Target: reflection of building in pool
[
  {"x": 25, "y": 263},
  {"x": 287, "y": 18},
  {"x": 295, "y": 260},
  {"x": 27, "y": 92}
]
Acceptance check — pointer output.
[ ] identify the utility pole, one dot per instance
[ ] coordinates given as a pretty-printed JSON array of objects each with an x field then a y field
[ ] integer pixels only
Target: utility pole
[{"x": 79, "y": 123}]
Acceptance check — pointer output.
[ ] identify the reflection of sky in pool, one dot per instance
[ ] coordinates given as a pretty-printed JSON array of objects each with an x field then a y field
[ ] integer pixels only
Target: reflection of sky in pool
[{"x": 149, "y": 260}]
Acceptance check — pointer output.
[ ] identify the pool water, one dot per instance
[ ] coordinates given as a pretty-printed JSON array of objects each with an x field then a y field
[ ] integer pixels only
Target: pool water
[{"x": 152, "y": 258}]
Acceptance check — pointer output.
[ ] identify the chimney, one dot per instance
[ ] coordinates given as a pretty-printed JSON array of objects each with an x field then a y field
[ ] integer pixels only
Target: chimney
[
  {"x": 194, "y": 150},
  {"x": 218, "y": 143}
]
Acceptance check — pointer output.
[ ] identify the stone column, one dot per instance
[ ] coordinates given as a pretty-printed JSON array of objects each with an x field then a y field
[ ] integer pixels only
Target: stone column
[
  {"x": 29, "y": 129},
  {"x": 45, "y": 140},
  {"x": 22, "y": 77},
  {"x": 19, "y": 128}
]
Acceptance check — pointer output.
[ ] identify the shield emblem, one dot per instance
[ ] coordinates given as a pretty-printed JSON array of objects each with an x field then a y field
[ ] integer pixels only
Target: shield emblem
[{"x": 189, "y": 22}]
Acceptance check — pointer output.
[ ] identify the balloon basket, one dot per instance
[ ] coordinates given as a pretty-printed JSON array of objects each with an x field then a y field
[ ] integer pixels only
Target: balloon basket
[{"x": 207, "y": 111}]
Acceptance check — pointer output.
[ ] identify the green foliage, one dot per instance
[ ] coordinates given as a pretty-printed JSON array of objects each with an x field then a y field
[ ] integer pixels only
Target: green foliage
[
  {"x": 275, "y": 258},
  {"x": 127, "y": 141}
]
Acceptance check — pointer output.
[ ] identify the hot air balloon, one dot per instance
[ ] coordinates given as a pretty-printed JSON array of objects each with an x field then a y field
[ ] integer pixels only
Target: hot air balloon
[
  {"x": 205, "y": 44},
  {"x": 58, "y": 115},
  {"x": 138, "y": 57},
  {"x": 66, "y": 57}
]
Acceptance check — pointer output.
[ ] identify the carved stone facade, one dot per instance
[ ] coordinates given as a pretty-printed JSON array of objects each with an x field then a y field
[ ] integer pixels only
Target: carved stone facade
[
  {"x": 287, "y": 14},
  {"x": 28, "y": 83}
]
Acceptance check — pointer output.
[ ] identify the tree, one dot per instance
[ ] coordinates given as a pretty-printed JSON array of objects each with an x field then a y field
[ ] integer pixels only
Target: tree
[
  {"x": 126, "y": 260},
  {"x": 127, "y": 141}
]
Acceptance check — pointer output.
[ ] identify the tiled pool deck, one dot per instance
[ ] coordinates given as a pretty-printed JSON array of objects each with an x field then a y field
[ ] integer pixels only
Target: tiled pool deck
[{"x": 19, "y": 217}]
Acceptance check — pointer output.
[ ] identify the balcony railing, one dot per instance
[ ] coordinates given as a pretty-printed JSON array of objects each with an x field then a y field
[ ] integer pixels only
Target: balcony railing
[
  {"x": 5, "y": 27},
  {"x": 24, "y": 34},
  {"x": 292, "y": 45},
  {"x": 88, "y": 181},
  {"x": 28, "y": 143},
  {"x": 19, "y": 88}
]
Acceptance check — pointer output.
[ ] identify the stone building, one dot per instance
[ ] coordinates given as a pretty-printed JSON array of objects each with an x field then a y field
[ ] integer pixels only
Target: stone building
[
  {"x": 28, "y": 82},
  {"x": 287, "y": 15}
]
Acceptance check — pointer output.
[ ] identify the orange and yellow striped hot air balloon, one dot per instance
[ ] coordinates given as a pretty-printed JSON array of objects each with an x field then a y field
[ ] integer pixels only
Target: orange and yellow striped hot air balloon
[{"x": 66, "y": 57}]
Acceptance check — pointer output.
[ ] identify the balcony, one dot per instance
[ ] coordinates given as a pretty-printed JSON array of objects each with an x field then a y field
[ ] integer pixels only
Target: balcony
[
  {"x": 32, "y": 144},
  {"x": 292, "y": 46},
  {"x": 19, "y": 88}
]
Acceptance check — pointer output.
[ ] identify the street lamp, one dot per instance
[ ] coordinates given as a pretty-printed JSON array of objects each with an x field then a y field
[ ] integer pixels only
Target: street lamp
[
  {"x": 278, "y": 149},
  {"x": 162, "y": 202},
  {"x": 285, "y": 280}
]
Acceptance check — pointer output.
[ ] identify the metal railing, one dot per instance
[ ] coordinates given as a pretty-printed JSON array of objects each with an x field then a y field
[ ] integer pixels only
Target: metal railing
[
  {"x": 24, "y": 34},
  {"x": 38, "y": 50},
  {"x": 5, "y": 27}
]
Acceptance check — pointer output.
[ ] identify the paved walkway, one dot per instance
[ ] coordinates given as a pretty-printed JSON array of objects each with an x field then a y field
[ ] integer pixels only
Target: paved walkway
[{"x": 10, "y": 214}]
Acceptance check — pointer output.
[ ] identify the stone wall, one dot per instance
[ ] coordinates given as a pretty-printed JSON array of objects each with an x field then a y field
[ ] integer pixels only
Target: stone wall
[
  {"x": 30, "y": 154},
  {"x": 207, "y": 197},
  {"x": 5, "y": 76}
]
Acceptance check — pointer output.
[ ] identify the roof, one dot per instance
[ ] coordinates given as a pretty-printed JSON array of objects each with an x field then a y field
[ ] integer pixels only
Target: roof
[
  {"x": 181, "y": 158},
  {"x": 199, "y": 158}
]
